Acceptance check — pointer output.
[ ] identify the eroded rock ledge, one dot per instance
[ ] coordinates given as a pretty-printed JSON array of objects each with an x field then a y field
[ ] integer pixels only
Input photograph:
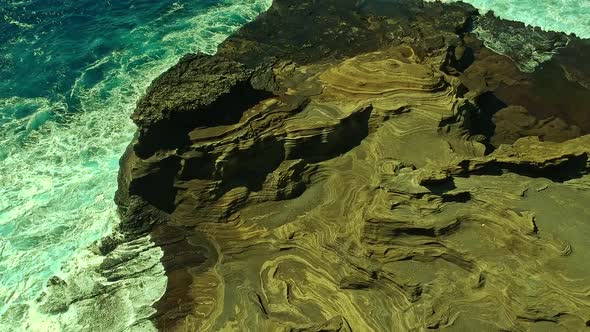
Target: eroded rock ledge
[{"x": 331, "y": 169}]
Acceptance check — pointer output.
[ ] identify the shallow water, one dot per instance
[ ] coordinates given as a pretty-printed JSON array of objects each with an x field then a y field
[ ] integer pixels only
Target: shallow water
[
  {"x": 570, "y": 16},
  {"x": 72, "y": 72}
]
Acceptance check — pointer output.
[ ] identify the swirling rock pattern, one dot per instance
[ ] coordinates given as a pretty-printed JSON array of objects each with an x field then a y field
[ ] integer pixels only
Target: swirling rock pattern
[{"x": 343, "y": 185}]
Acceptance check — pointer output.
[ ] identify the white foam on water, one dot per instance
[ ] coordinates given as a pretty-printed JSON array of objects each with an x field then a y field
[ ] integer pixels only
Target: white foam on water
[
  {"x": 569, "y": 16},
  {"x": 57, "y": 186},
  {"x": 95, "y": 303}
]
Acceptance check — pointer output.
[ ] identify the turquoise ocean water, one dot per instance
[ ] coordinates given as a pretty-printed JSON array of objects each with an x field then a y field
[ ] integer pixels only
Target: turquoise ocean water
[
  {"x": 570, "y": 16},
  {"x": 71, "y": 72}
]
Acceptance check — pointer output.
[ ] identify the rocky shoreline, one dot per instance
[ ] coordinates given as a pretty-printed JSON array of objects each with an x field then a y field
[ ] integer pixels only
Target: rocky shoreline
[{"x": 363, "y": 166}]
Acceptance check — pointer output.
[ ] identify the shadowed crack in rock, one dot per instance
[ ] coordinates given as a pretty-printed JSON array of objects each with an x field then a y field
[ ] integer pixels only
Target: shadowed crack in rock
[{"x": 345, "y": 174}]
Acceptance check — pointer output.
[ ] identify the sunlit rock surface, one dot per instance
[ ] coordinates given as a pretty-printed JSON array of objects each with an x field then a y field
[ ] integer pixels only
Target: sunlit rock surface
[{"x": 330, "y": 169}]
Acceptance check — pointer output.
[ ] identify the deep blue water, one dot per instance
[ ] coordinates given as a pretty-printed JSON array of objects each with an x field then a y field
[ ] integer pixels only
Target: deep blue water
[{"x": 71, "y": 72}]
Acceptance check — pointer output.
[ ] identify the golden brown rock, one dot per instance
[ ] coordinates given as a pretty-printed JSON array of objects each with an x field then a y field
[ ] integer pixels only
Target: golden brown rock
[{"x": 354, "y": 193}]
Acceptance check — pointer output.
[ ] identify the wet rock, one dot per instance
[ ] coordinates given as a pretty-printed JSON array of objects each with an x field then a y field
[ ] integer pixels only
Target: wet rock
[{"x": 529, "y": 47}]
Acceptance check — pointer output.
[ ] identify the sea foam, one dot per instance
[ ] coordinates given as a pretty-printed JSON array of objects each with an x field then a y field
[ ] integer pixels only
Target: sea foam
[
  {"x": 59, "y": 158},
  {"x": 569, "y": 16}
]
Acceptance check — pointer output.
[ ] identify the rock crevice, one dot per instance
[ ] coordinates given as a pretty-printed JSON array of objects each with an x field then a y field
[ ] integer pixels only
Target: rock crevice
[{"x": 342, "y": 175}]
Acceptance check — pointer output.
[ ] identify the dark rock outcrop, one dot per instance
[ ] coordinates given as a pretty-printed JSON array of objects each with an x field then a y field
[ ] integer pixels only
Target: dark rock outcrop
[{"x": 331, "y": 169}]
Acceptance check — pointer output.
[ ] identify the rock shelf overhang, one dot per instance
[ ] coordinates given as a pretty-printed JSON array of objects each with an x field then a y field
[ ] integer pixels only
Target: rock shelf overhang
[{"x": 331, "y": 169}]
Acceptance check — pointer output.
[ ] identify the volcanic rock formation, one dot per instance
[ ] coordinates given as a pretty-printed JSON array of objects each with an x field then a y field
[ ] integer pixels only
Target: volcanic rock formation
[{"x": 331, "y": 169}]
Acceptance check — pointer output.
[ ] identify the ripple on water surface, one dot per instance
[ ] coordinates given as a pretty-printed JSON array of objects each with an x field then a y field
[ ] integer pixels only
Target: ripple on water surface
[
  {"x": 569, "y": 16},
  {"x": 72, "y": 72},
  {"x": 75, "y": 70}
]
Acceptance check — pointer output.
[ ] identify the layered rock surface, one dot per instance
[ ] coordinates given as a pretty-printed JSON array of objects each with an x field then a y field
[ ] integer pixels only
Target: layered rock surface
[{"x": 327, "y": 170}]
